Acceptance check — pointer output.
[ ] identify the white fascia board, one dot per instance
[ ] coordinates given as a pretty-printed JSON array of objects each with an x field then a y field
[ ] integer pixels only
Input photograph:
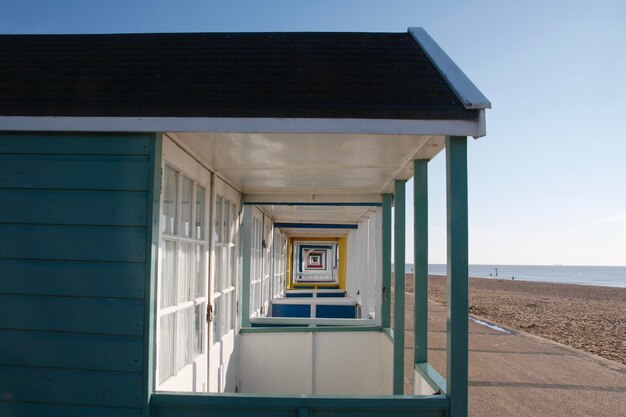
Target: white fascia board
[
  {"x": 240, "y": 125},
  {"x": 464, "y": 88}
]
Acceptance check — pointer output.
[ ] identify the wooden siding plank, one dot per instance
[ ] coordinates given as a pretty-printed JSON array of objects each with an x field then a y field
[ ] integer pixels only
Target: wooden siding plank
[
  {"x": 88, "y": 352},
  {"x": 103, "y": 208},
  {"x": 70, "y": 386},
  {"x": 54, "y": 410},
  {"x": 72, "y": 314},
  {"x": 227, "y": 412},
  {"x": 68, "y": 278},
  {"x": 74, "y": 172},
  {"x": 82, "y": 243},
  {"x": 285, "y": 412},
  {"x": 191, "y": 405},
  {"x": 75, "y": 143}
]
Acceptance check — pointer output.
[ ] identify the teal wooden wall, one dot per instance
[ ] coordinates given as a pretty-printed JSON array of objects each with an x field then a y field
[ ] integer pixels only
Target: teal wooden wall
[{"x": 75, "y": 255}]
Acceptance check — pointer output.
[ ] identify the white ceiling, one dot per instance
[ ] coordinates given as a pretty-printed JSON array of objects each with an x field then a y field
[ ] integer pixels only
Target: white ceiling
[
  {"x": 316, "y": 214},
  {"x": 306, "y": 164}
]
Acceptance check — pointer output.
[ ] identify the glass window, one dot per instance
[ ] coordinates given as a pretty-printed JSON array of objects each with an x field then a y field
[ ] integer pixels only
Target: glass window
[
  {"x": 185, "y": 272},
  {"x": 198, "y": 329},
  {"x": 186, "y": 207},
  {"x": 166, "y": 347},
  {"x": 199, "y": 271},
  {"x": 182, "y": 338},
  {"x": 218, "y": 219},
  {"x": 168, "y": 274},
  {"x": 170, "y": 201},
  {"x": 200, "y": 195},
  {"x": 216, "y": 326}
]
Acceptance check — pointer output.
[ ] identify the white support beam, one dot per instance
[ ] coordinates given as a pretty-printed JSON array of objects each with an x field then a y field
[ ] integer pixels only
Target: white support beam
[{"x": 242, "y": 125}]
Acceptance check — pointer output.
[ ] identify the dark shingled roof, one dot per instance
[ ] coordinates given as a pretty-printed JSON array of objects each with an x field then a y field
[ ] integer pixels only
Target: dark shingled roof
[{"x": 326, "y": 75}]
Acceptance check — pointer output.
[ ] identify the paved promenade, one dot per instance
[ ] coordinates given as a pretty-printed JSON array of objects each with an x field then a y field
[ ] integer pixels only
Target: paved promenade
[{"x": 516, "y": 374}]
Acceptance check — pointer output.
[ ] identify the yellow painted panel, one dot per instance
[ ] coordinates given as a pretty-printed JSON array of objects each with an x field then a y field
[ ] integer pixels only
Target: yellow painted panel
[
  {"x": 343, "y": 258},
  {"x": 342, "y": 247}
]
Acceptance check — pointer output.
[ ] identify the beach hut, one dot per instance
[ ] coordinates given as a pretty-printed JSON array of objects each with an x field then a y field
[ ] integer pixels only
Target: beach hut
[{"x": 201, "y": 223}]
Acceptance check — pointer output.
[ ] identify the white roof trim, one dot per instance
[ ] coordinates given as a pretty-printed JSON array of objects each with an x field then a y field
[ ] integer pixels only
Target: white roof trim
[
  {"x": 466, "y": 91},
  {"x": 241, "y": 125}
]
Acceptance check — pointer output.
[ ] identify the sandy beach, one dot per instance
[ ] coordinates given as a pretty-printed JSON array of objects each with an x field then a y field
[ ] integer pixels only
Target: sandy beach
[{"x": 589, "y": 318}]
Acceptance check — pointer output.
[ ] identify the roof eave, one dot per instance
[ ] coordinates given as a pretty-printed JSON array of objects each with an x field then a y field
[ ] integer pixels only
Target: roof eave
[{"x": 469, "y": 95}]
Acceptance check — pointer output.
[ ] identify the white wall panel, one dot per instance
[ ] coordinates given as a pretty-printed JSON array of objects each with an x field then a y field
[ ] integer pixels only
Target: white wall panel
[
  {"x": 331, "y": 363},
  {"x": 275, "y": 363}
]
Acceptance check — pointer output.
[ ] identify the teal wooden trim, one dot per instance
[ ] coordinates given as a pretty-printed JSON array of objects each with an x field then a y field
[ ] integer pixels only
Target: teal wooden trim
[
  {"x": 432, "y": 377},
  {"x": 316, "y": 329},
  {"x": 63, "y": 410},
  {"x": 420, "y": 247},
  {"x": 152, "y": 261},
  {"x": 388, "y": 331},
  {"x": 386, "y": 261},
  {"x": 202, "y": 404},
  {"x": 399, "y": 285},
  {"x": 246, "y": 256},
  {"x": 457, "y": 234}
]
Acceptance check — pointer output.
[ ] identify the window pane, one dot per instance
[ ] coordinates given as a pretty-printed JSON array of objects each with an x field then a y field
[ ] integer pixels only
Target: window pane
[
  {"x": 199, "y": 271},
  {"x": 226, "y": 222},
  {"x": 224, "y": 273},
  {"x": 168, "y": 274},
  {"x": 224, "y": 314},
  {"x": 185, "y": 207},
  {"x": 170, "y": 196},
  {"x": 198, "y": 329},
  {"x": 231, "y": 316},
  {"x": 218, "y": 219},
  {"x": 200, "y": 192},
  {"x": 216, "y": 318},
  {"x": 185, "y": 276},
  {"x": 183, "y": 338},
  {"x": 166, "y": 347}
]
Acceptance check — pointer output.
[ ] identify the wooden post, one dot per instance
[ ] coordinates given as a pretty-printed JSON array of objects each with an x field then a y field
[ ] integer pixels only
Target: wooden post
[
  {"x": 420, "y": 247},
  {"x": 399, "y": 287},
  {"x": 386, "y": 262},
  {"x": 457, "y": 234}
]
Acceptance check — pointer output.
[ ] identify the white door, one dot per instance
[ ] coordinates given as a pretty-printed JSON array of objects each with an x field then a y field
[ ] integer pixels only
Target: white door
[
  {"x": 223, "y": 339},
  {"x": 182, "y": 285}
]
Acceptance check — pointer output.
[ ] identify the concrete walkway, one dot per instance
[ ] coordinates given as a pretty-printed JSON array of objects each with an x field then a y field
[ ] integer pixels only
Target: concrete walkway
[{"x": 517, "y": 374}]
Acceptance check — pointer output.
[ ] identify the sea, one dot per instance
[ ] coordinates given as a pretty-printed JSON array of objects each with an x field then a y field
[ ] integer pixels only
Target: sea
[{"x": 605, "y": 276}]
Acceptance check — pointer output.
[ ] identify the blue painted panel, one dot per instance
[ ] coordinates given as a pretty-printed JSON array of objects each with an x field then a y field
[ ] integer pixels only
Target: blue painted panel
[
  {"x": 82, "y": 243},
  {"x": 298, "y": 295},
  {"x": 63, "y": 386},
  {"x": 75, "y": 143},
  {"x": 72, "y": 314},
  {"x": 89, "y": 279},
  {"x": 74, "y": 172},
  {"x": 89, "y": 352},
  {"x": 114, "y": 208},
  {"x": 331, "y": 295},
  {"x": 291, "y": 310},
  {"x": 54, "y": 410},
  {"x": 335, "y": 312}
]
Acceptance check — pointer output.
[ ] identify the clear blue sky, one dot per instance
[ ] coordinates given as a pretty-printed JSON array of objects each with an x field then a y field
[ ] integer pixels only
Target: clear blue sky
[{"x": 547, "y": 184}]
